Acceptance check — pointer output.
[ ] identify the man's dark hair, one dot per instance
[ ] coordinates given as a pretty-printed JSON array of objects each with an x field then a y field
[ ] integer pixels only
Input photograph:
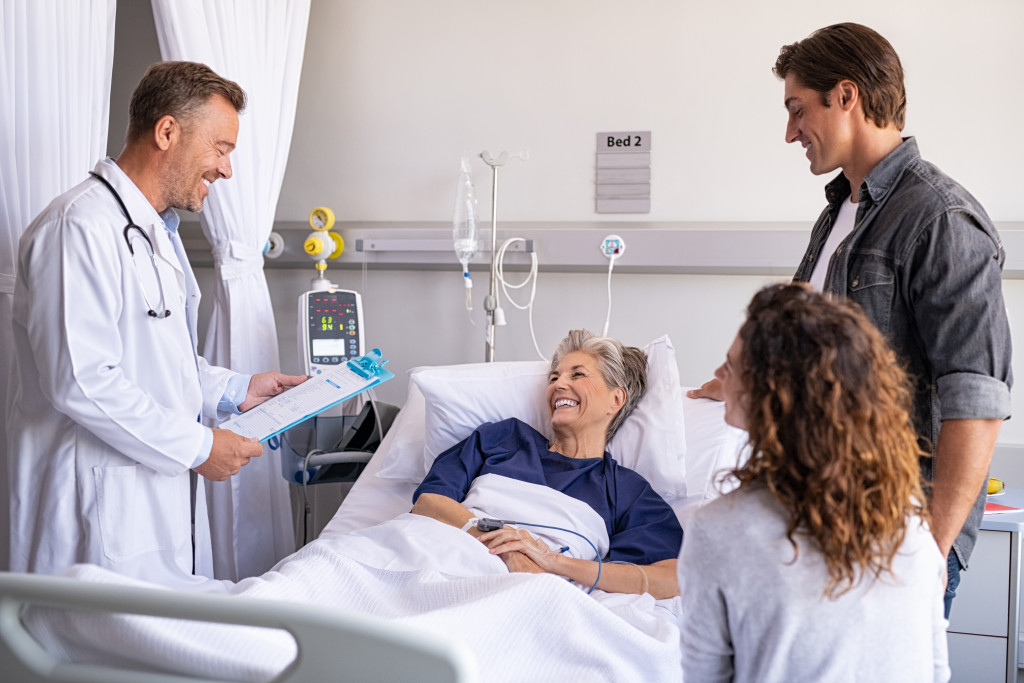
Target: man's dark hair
[
  {"x": 850, "y": 52},
  {"x": 177, "y": 89}
]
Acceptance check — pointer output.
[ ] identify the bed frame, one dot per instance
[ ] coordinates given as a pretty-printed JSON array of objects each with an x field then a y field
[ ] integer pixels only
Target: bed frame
[{"x": 331, "y": 645}]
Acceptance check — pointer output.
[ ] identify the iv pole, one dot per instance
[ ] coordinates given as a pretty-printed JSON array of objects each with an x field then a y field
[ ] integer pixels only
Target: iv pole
[{"x": 495, "y": 316}]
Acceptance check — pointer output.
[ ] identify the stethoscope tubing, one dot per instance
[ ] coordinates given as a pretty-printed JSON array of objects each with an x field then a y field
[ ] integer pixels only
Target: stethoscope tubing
[{"x": 131, "y": 250}]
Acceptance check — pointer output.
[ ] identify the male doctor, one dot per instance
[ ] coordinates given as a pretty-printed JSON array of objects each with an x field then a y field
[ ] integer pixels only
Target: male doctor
[{"x": 108, "y": 388}]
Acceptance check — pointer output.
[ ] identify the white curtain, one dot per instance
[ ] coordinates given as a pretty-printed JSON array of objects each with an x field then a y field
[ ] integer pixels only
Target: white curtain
[
  {"x": 259, "y": 44},
  {"x": 56, "y": 58}
]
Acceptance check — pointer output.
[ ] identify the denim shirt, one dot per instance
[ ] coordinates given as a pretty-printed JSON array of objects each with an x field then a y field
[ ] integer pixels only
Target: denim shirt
[{"x": 925, "y": 262}]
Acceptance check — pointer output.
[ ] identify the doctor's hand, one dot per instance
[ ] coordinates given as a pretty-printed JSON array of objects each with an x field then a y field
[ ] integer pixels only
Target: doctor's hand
[
  {"x": 230, "y": 453},
  {"x": 267, "y": 385},
  {"x": 711, "y": 389}
]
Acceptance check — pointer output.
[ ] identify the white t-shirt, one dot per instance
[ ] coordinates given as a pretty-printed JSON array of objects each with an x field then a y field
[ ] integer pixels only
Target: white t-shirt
[{"x": 840, "y": 231}]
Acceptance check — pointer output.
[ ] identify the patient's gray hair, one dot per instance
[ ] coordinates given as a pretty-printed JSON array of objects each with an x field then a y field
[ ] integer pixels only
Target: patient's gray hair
[{"x": 620, "y": 366}]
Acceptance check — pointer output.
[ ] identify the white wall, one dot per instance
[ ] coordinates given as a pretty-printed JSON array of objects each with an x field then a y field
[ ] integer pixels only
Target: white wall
[{"x": 394, "y": 91}]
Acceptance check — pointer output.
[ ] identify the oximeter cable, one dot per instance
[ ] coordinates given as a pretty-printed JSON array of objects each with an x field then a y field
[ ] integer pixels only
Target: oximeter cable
[{"x": 488, "y": 524}]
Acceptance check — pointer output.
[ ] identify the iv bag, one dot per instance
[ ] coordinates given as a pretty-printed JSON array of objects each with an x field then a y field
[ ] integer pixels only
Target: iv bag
[{"x": 464, "y": 226}]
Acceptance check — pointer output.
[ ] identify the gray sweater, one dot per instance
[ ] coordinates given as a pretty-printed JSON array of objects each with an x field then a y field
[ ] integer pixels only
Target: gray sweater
[{"x": 749, "y": 613}]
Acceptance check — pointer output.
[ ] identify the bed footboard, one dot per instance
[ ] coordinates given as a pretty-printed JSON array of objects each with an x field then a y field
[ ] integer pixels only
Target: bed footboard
[{"x": 331, "y": 645}]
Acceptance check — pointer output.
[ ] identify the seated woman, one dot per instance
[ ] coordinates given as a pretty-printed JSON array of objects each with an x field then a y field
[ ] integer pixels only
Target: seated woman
[
  {"x": 595, "y": 382},
  {"x": 820, "y": 565}
]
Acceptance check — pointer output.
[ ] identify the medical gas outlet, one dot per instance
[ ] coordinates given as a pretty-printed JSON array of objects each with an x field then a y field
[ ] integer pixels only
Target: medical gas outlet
[
  {"x": 613, "y": 246},
  {"x": 322, "y": 245}
]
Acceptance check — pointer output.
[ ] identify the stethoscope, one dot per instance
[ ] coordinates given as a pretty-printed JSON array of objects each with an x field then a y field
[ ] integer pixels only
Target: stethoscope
[{"x": 128, "y": 235}]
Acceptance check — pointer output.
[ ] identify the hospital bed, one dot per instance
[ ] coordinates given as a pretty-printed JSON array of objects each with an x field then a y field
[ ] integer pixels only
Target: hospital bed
[{"x": 492, "y": 629}]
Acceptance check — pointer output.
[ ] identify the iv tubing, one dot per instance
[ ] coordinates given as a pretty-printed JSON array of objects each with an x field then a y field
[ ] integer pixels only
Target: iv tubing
[{"x": 493, "y": 289}]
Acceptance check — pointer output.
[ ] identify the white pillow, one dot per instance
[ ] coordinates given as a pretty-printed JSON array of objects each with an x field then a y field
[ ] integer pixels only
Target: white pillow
[
  {"x": 459, "y": 398},
  {"x": 712, "y": 447},
  {"x": 403, "y": 444}
]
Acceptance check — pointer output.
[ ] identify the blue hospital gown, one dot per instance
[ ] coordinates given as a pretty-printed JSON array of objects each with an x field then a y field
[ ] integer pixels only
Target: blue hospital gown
[{"x": 642, "y": 527}]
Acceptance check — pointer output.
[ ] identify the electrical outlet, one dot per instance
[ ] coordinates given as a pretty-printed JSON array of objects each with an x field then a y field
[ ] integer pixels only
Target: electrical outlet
[{"x": 612, "y": 246}]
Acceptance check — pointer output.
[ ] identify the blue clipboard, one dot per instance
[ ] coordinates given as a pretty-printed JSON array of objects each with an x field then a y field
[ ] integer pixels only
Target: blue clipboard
[{"x": 324, "y": 389}]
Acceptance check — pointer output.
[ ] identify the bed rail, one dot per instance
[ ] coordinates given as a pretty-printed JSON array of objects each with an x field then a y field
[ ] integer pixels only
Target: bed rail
[{"x": 332, "y": 646}]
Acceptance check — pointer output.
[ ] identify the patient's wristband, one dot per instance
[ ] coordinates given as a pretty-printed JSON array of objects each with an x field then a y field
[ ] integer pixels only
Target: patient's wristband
[{"x": 470, "y": 524}]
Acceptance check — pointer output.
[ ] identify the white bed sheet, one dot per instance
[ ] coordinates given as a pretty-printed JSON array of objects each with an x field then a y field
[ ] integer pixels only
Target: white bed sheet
[{"x": 374, "y": 499}]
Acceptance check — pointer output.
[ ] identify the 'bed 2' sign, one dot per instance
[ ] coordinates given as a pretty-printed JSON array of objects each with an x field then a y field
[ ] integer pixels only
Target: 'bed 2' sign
[
  {"x": 624, "y": 142},
  {"x": 623, "y": 172}
]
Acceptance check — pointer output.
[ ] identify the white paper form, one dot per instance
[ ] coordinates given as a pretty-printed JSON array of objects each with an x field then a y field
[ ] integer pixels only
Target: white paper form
[{"x": 318, "y": 393}]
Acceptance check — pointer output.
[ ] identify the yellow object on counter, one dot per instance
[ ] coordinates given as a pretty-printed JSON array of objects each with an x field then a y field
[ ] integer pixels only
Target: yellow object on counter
[{"x": 995, "y": 485}]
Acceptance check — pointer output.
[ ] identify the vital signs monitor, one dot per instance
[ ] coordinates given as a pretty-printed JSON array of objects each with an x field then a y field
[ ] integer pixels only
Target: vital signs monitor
[{"x": 330, "y": 327}]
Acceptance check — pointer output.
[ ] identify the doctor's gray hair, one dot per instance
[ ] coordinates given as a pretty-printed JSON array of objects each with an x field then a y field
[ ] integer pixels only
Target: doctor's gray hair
[
  {"x": 620, "y": 366},
  {"x": 177, "y": 89}
]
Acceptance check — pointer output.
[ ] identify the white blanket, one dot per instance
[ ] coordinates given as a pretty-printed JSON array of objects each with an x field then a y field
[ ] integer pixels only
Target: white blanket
[
  {"x": 417, "y": 571},
  {"x": 495, "y": 496}
]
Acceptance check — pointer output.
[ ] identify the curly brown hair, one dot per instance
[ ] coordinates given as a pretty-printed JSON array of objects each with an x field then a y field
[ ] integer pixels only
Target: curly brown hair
[{"x": 828, "y": 414}]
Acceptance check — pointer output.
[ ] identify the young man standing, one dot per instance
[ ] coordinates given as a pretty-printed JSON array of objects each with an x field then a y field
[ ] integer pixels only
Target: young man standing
[{"x": 917, "y": 252}]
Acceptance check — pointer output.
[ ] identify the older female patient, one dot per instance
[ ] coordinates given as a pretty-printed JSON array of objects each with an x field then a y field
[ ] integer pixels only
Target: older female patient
[
  {"x": 820, "y": 566},
  {"x": 595, "y": 382}
]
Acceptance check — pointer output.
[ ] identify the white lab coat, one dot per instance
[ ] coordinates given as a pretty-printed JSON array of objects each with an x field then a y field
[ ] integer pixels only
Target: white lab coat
[{"x": 104, "y": 399}]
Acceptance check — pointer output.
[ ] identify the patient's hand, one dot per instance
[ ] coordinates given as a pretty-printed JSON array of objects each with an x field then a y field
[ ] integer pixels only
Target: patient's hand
[
  {"x": 512, "y": 541},
  {"x": 518, "y": 562},
  {"x": 711, "y": 389}
]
